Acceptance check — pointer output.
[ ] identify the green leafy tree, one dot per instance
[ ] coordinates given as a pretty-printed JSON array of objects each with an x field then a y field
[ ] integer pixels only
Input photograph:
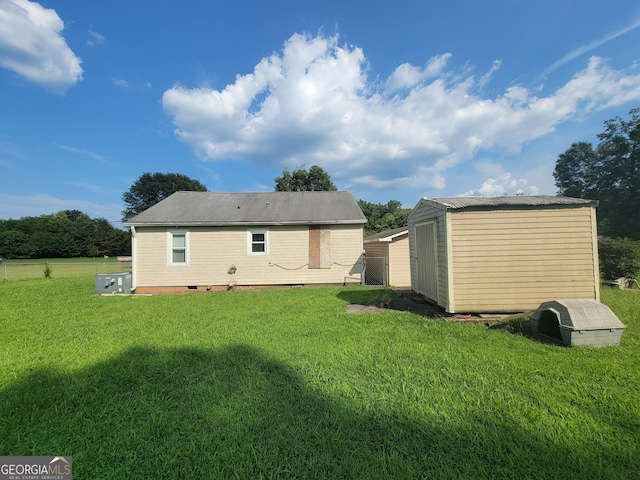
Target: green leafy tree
[
  {"x": 576, "y": 172},
  {"x": 301, "y": 180},
  {"x": 69, "y": 233},
  {"x": 610, "y": 173},
  {"x": 54, "y": 238},
  {"x": 381, "y": 217},
  {"x": 16, "y": 244},
  {"x": 150, "y": 188}
]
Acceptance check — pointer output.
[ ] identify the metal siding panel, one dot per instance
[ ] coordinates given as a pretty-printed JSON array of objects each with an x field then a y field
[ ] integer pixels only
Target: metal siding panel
[{"x": 498, "y": 267}]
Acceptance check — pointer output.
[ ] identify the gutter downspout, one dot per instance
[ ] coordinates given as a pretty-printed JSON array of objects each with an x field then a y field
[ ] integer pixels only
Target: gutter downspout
[{"x": 134, "y": 258}]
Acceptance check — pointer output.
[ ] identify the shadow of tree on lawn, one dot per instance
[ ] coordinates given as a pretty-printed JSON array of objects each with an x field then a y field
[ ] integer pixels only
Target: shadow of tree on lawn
[{"x": 234, "y": 413}]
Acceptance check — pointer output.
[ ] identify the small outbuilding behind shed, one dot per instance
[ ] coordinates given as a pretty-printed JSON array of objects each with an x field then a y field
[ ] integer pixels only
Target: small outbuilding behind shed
[
  {"x": 503, "y": 254},
  {"x": 387, "y": 257}
]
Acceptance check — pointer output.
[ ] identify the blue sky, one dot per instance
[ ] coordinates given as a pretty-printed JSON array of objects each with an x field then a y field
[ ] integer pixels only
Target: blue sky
[{"x": 395, "y": 100}]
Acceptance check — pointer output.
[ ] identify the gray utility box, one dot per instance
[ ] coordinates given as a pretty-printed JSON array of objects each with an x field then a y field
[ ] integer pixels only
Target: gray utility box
[
  {"x": 113, "y": 283},
  {"x": 577, "y": 322}
]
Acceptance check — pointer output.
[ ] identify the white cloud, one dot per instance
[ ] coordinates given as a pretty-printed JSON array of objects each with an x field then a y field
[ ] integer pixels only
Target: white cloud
[
  {"x": 120, "y": 82},
  {"x": 81, "y": 151},
  {"x": 408, "y": 76},
  {"x": 590, "y": 46},
  {"x": 505, "y": 184},
  {"x": 31, "y": 44},
  {"x": 312, "y": 103},
  {"x": 497, "y": 65},
  {"x": 95, "y": 39}
]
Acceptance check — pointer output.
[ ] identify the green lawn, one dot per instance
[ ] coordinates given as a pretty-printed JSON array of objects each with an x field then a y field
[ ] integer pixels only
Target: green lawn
[
  {"x": 17, "y": 269},
  {"x": 285, "y": 384}
]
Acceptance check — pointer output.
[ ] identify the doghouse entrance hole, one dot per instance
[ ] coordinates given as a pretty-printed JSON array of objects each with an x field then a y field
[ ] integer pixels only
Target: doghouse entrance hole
[{"x": 549, "y": 326}]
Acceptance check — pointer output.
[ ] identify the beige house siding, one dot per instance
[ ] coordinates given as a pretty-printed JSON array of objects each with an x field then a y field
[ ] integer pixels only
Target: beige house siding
[
  {"x": 399, "y": 268},
  {"x": 212, "y": 251},
  {"x": 517, "y": 259},
  {"x": 424, "y": 213}
]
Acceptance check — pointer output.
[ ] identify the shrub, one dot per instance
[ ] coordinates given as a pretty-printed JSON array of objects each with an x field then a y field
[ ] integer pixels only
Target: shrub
[{"x": 619, "y": 257}]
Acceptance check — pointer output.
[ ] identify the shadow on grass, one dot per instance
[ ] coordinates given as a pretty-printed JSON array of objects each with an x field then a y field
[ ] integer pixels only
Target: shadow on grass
[
  {"x": 393, "y": 300},
  {"x": 517, "y": 324},
  {"x": 234, "y": 413}
]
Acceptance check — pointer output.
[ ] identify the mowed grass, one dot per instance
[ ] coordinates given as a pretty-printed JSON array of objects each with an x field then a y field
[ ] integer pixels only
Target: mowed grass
[
  {"x": 285, "y": 384},
  {"x": 59, "y": 267}
]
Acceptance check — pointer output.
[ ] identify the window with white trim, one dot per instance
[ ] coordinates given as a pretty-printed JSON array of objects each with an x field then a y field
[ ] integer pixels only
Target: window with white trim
[
  {"x": 257, "y": 242},
  {"x": 178, "y": 253}
]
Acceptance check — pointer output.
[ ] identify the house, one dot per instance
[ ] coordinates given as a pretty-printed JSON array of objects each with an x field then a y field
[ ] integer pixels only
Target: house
[
  {"x": 387, "y": 258},
  {"x": 201, "y": 241},
  {"x": 503, "y": 254}
]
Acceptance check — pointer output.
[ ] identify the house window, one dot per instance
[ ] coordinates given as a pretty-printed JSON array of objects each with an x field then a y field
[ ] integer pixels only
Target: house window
[
  {"x": 178, "y": 247},
  {"x": 257, "y": 242}
]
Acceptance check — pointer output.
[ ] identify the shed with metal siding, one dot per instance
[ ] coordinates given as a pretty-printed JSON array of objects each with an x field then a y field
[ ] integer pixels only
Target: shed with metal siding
[{"x": 503, "y": 254}]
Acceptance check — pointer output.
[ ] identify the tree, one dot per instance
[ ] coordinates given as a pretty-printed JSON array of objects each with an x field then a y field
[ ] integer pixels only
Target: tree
[
  {"x": 610, "y": 173},
  {"x": 576, "y": 172},
  {"x": 65, "y": 234},
  {"x": 301, "y": 180},
  {"x": 16, "y": 244},
  {"x": 381, "y": 217},
  {"x": 150, "y": 188}
]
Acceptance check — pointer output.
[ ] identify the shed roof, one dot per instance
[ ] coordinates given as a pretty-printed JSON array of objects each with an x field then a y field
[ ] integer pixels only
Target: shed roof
[
  {"x": 387, "y": 235},
  {"x": 472, "y": 203},
  {"x": 258, "y": 208}
]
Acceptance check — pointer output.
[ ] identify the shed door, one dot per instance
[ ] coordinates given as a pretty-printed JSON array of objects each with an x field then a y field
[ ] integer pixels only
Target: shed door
[{"x": 426, "y": 260}]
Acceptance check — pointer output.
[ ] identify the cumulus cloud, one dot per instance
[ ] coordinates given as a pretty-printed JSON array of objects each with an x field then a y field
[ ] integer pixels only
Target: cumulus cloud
[
  {"x": 312, "y": 103},
  {"x": 31, "y": 45},
  {"x": 505, "y": 184}
]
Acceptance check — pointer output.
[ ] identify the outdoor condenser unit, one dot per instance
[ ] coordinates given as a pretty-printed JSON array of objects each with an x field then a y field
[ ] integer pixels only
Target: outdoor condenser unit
[{"x": 113, "y": 283}]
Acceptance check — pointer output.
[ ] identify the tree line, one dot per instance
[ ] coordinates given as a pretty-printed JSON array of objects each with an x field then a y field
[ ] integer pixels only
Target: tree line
[
  {"x": 608, "y": 173},
  {"x": 66, "y": 234}
]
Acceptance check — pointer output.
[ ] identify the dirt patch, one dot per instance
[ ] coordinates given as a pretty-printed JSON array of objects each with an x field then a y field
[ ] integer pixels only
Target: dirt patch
[{"x": 408, "y": 301}]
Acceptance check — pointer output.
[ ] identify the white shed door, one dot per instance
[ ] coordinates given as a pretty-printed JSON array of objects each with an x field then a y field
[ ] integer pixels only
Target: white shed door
[{"x": 427, "y": 260}]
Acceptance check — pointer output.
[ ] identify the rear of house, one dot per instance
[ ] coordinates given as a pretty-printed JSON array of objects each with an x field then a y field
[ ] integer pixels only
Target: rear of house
[
  {"x": 503, "y": 254},
  {"x": 200, "y": 241},
  {"x": 387, "y": 258}
]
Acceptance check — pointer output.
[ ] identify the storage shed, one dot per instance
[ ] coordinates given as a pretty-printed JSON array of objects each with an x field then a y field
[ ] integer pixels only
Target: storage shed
[
  {"x": 503, "y": 254},
  {"x": 387, "y": 257}
]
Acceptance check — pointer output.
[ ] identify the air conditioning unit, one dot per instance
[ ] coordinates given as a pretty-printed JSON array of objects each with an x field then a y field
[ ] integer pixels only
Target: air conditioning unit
[{"x": 113, "y": 283}]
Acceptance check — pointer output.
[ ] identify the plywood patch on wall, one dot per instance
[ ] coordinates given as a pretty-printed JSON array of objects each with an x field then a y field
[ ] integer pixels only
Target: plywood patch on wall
[{"x": 319, "y": 246}]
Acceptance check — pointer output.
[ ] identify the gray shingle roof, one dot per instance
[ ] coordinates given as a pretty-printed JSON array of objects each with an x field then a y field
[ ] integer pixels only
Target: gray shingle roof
[
  {"x": 387, "y": 235},
  {"x": 262, "y": 208},
  {"x": 455, "y": 203}
]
